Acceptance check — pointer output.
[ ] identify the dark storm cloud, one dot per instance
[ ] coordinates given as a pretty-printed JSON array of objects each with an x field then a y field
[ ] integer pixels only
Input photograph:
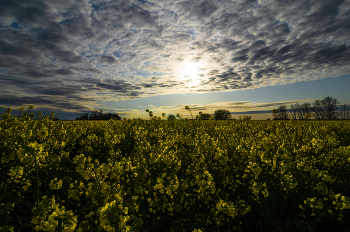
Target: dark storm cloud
[{"x": 116, "y": 46}]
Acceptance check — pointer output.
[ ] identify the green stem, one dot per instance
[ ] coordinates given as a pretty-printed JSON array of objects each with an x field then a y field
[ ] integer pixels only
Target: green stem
[
  {"x": 37, "y": 176},
  {"x": 99, "y": 185}
]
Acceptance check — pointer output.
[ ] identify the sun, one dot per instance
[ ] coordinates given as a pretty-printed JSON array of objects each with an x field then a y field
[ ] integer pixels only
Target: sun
[{"x": 191, "y": 72}]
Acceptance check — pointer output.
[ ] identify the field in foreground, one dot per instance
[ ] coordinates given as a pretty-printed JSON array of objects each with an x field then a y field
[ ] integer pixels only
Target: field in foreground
[{"x": 138, "y": 175}]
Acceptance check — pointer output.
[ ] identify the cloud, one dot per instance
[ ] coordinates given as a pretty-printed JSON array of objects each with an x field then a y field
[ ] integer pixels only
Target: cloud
[
  {"x": 43, "y": 102},
  {"x": 133, "y": 49},
  {"x": 8, "y": 49},
  {"x": 108, "y": 59},
  {"x": 68, "y": 57}
]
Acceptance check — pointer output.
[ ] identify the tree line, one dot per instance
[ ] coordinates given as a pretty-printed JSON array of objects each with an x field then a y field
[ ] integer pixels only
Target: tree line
[
  {"x": 220, "y": 114},
  {"x": 327, "y": 108},
  {"x": 98, "y": 115}
]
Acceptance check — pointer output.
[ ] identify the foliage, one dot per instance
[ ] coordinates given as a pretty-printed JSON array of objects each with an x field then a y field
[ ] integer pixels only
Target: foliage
[
  {"x": 327, "y": 108},
  {"x": 222, "y": 114},
  {"x": 171, "y": 117},
  {"x": 98, "y": 115},
  {"x": 84, "y": 116},
  {"x": 156, "y": 175},
  {"x": 280, "y": 113},
  {"x": 188, "y": 108},
  {"x": 150, "y": 113},
  {"x": 247, "y": 118},
  {"x": 203, "y": 116}
]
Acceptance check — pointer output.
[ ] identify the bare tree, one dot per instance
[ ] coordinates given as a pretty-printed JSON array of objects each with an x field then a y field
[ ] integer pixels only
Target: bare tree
[
  {"x": 98, "y": 115},
  {"x": 330, "y": 106},
  {"x": 283, "y": 112},
  {"x": 275, "y": 114},
  {"x": 95, "y": 115},
  {"x": 303, "y": 110},
  {"x": 280, "y": 113},
  {"x": 344, "y": 111},
  {"x": 318, "y": 111},
  {"x": 294, "y": 110},
  {"x": 247, "y": 118}
]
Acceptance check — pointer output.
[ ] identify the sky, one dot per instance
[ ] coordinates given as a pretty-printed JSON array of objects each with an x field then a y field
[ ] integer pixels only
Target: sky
[{"x": 126, "y": 56}]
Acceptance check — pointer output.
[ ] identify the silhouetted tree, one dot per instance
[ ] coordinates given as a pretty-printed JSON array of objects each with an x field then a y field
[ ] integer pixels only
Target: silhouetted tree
[
  {"x": 282, "y": 110},
  {"x": 171, "y": 117},
  {"x": 303, "y": 110},
  {"x": 275, "y": 114},
  {"x": 150, "y": 113},
  {"x": 84, "y": 116},
  {"x": 247, "y": 118},
  {"x": 178, "y": 115},
  {"x": 95, "y": 115},
  {"x": 280, "y": 113},
  {"x": 188, "y": 108},
  {"x": 344, "y": 111},
  {"x": 98, "y": 115},
  {"x": 222, "y": 114},
  {"x": 110, "y": 116},
  {"x": 330, "y": 106},
  {"x": 203, "y": 116},
  {"x": 317, "y": 109},
  {"x": 294, "y": 110}
]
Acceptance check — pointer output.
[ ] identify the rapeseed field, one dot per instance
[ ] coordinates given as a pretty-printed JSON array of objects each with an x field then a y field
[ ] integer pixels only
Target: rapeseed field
[{"x": 155, "y": 175}]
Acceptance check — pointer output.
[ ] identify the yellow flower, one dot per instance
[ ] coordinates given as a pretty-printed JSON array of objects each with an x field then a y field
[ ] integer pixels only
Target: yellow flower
[{"x": 35, "y": 221}]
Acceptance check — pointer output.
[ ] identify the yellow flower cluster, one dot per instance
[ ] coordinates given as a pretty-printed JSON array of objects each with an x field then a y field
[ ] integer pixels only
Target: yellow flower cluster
[
  {"x": 49, "y": 216},
  {"x": 233, "y": 209},
  {"x": 114, "y": 216},
  {"x": 55, "y": 184},
  {"x": 136, "y": 175}
]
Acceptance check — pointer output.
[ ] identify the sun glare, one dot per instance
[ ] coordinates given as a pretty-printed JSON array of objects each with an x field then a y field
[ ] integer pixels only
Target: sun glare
[{"x": 191, "y": 72}]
